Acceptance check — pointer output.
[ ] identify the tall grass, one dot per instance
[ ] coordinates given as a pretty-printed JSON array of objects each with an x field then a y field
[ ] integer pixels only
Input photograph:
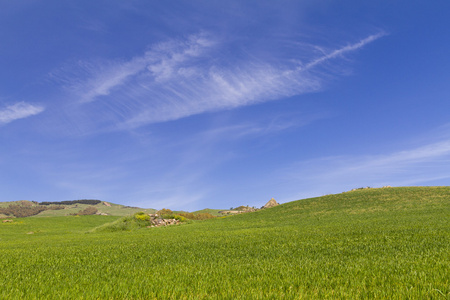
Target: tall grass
[{"x": 368, "y": 244}]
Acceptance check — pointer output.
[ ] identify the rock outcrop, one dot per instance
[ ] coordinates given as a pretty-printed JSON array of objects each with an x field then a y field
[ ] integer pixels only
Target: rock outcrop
[
  {"x": 272, "y": 202},
  {"x": 157, "y": 221}
]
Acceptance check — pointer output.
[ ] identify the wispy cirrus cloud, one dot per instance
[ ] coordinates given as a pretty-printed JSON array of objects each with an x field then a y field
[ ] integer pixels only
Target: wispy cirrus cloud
[
  {"x": 180, "y": 78},
  {"x": 89, "y": 81},
  {"x": 17, "y": 111},
  {"x": 417, "y": 166},
  {"x": 341, "y": 51}
]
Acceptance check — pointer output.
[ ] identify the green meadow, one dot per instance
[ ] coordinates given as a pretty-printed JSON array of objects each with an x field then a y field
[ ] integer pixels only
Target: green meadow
[{"x": 390, "y": 243}]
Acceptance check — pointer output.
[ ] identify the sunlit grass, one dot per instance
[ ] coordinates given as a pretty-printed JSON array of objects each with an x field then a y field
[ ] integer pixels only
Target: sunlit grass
[{"x": 367, "y": 244}]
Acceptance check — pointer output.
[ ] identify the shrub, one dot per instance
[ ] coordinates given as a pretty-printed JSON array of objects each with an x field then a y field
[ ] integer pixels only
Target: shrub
[
  {"x": 180, "y": 218},
  {"x": 204, "y": 216},
  {"x": 90, "y": 210},
  {"x": 165, "y": 212},
  {"x": 141, "y": 216},
  {"x": 189, "y": 216}
]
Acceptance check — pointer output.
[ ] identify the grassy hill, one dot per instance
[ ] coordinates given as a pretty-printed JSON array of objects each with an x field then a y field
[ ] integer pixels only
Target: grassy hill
[
  {"x": 110, "y": 209},
  {"x": 388, "y": 243},
  {"x": 214, "y": 212}
]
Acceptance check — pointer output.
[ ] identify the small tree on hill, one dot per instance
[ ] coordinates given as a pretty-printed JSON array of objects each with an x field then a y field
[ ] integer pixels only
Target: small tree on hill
[{"x": 165, "y": 212}]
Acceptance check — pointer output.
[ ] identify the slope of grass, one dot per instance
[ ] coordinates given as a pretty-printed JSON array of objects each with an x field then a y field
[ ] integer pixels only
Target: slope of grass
[
  {"x": 38, "y": 229},
  {"x": 214, "y": 212},
  {"x": 370, "y": 244}
]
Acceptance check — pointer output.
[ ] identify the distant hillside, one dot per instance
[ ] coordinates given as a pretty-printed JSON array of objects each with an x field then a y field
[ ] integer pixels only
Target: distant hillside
[
  {"x": 66, "y": 208},
  {"x": 7, "y": 203},
  {"x": 214, "y": 212},
  {"x": 74, "y": 206}
]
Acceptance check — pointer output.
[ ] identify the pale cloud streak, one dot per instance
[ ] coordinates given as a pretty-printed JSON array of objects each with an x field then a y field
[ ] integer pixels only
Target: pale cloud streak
[
  {"x": 180, "y": 78},
  {"x": 17, "y": 111},
  {"x": 417, "y": 166},
  {"x": 105, "y": 77},
  {"x": 341, "y": 51}
]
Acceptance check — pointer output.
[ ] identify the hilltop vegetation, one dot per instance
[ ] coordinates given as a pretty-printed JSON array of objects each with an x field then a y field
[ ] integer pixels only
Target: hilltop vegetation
[
  {"x": 71, "y": 202},
  {"x": 366, "y": 244}
]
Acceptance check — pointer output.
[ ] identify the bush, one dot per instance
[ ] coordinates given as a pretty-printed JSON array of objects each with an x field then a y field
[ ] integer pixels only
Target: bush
[
  {"x": 141, "y": 216},
  {"x": 204, "y": 216},
  {"x": 90, "y": 210},
  {"x": 189, "y": 216},
  {"x": 179, "y": 218},
  {"x": 165, "y": 213}
]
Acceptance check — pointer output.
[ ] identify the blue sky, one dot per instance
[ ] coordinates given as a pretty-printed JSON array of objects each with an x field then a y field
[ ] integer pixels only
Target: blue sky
[{"x": 195, "y": 104}]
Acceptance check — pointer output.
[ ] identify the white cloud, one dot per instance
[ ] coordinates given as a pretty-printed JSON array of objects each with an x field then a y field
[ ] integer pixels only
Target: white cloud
[
  {"x": 91, "y": 80},
  {"x": 180, "y": 78},
  {"x": 341, "y": 51},
  {"x": 17, "y": 111},
  {"x": 418, "y": 166},
  {"x": 218, "y": 89},
  {"x": 261, "y": 127},
  {"x": 167, "y": 59}
]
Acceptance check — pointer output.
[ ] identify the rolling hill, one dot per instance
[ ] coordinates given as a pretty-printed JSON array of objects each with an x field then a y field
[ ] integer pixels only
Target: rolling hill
[
  {"x": 390, "y": 243},
  {"x": 106, "y": 208}
]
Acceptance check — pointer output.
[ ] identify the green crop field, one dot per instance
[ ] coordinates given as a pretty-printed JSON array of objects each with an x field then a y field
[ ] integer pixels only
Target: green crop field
[{"x": 390, "y": 243}]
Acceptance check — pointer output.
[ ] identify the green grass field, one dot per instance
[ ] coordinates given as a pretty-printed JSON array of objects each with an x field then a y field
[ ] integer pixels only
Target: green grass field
[{"x": 388, "y": 243}]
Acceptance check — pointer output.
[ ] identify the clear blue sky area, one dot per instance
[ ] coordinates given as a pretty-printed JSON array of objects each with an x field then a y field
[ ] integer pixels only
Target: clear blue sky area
[{"x": 195, "y": 104}]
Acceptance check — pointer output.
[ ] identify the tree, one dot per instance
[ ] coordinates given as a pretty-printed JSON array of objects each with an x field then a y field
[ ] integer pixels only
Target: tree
[{"x": 165, "y": 212}]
